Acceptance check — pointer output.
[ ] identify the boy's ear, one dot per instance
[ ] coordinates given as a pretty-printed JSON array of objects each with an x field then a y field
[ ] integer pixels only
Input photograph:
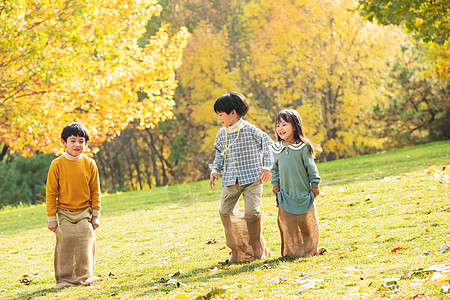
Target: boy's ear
[{"x": 63, "y": 142}]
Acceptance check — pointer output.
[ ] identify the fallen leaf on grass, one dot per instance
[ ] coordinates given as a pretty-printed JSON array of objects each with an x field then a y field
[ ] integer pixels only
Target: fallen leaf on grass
[
  {"x": 302, "y": 276},
  {"x": 163, "y": 258},
  {"x": 211, "y": 242},
  {"x": 425, "y": 252},
  {"x": 212, "y": 293},
  {"x": 389, "y": 286},
  {"x": 395, "y": 250},
  {"x": 27, "y": 278},
  {"x": 223, "y": 263},
  {"x": 352, "y": 248},
  {"x": 433, "y": 268},
  {"x": 181, "y": 296},
  {"x": 212, "y": 271},
  {"x": 177, "y": 273},
  {"x": 360, "y": 289},
  {"x": 263, "y": 267},
  {"x": 410, "y": 297},
  {"x": 111, "y": 276},
  {"x": 444, "y": 248},
  {"x": 170, "y": 281},
  {"x": 321, "y": 251},
  {"x": 439, "y": 278},
  {"x": 278, "y": 279},
  {"x": 310, "y": 283}
]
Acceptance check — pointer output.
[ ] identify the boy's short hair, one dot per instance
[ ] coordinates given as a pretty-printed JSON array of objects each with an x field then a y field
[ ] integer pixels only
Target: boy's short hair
[
  {"x": 75, "y": 129},
  {"x": 232, "y": 101}
]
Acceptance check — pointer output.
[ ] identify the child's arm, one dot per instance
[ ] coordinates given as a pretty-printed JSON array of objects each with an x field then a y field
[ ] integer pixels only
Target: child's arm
[
  {"x": 94, "y": 186},
  {"x": 313, "y": 173},
  {"x": 275, "y": 178},
  {"x": 217, "y": 165},
  {"x": 51, "y": 196}
]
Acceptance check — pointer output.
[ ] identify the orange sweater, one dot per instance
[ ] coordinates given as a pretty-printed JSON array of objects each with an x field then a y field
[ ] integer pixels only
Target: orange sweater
[{"x": 73, "y": 185}]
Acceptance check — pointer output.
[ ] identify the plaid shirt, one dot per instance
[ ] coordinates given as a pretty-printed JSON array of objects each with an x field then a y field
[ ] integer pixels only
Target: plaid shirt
[{"x": 244, "y": 158}]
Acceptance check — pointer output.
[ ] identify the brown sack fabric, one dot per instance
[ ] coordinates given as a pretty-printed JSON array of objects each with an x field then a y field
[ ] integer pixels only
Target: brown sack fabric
[
  {"x": 75, "y": 248},
  {"x": 299, "y": 233},
  {"x": 244, "y": 237}
]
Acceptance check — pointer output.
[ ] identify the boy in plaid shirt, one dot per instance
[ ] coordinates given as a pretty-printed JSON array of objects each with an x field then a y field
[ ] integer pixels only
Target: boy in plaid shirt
[{"x": 244, "y": 159}]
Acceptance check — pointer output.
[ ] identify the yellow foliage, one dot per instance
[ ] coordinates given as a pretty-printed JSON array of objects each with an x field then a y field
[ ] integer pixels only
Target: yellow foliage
[{"x": 80, "y": 61}]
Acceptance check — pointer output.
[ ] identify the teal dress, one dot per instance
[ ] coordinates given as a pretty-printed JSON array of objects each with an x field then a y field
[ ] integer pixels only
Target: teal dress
[{"x": 295, "y": 172}]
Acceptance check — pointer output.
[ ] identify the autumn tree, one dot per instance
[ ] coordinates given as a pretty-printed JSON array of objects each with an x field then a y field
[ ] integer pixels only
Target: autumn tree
[
  {"x": 64, "y": 61},
  {"x": 324, "y": 61}
]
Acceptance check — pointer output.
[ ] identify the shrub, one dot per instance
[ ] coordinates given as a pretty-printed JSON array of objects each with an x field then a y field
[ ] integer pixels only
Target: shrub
[{"x": 23, "y": 180}]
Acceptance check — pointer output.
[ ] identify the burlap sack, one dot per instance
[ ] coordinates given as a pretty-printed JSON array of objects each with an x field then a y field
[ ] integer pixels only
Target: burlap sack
[
  {"x": 244, "y": 237},
  {"x": 299, "y": 233},
  {"x": 75, "y": 248}
]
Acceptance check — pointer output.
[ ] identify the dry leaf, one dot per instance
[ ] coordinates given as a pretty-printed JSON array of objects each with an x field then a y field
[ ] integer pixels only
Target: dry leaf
[
  {"x": 389, "y": 286},
  {"x": 212, "y": 293},
  {"x": 278, "y": 280},
  {"x": 444, "y": 248},
  {"x": 360, "y": 290},
  {"x": 263, "y": 267},
  {"x": 310, "y": 283},
  {"x": 177, "y": 273},
  {"x": 398, "y": 249},
  {"x": 181, "y": 296}
]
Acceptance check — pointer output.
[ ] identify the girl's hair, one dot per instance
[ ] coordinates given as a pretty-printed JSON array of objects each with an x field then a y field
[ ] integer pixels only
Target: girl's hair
[
  {"x": 75, "y": 129},
  {"x": 293, "y": 117},
  {"x": 232, "y": 101}
]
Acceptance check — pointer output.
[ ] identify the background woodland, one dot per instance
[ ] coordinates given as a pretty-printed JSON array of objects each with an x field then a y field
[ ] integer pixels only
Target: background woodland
[{"x": 365, "y": 76}]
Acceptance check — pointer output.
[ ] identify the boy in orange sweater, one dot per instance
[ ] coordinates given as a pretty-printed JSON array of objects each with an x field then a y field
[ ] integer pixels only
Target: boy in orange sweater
[{"x": 73, "y": 194}]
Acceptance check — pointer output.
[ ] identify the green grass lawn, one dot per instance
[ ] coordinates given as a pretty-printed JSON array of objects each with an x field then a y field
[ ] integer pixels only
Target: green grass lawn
[{"x": 381, "y": 217}]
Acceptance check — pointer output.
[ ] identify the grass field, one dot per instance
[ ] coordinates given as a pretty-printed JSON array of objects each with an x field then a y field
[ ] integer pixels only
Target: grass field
[{"x": 382, "y": 217}]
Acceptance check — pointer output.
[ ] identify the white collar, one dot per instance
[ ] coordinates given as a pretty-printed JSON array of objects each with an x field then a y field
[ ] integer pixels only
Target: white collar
[
  {"x": 237, "y": 126},
  {"x": 70, "y": 157},
  {"x": 278, "y": 146}
]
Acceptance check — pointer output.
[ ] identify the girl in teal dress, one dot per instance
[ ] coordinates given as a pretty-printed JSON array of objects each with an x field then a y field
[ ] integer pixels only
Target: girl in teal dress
[{"x": 295, "y": 181}]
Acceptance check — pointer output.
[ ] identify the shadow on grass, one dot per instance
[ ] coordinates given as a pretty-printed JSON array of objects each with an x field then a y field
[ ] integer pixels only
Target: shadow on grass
[
  {"x": 41, "y": 293},
  {"x": 203, "y": 275}
]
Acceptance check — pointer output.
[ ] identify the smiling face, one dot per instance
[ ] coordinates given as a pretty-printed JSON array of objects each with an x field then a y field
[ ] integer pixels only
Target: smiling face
[
  {"x": 285, "y": 131},
  {"x": 75, "y": 145},
  {"x": 228, "y": 120}
]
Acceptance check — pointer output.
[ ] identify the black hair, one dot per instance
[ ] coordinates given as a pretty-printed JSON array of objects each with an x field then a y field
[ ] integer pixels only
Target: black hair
[
  {"x": 293, "y": 117},
  {"x": 75, "y": 129},
  {"x": 232, "y": 101}
]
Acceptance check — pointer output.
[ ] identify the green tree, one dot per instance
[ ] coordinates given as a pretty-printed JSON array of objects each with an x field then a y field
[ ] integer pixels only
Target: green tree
[
  {"x": 417, "y": 109},
  {"x": 425, "y": 20}
]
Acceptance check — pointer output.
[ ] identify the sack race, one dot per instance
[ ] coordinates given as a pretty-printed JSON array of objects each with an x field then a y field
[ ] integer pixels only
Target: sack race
[
  {"x": 75, "y": 248},
  {"x": 244, "y": 237},
  {"x": 299, "y": 233}
]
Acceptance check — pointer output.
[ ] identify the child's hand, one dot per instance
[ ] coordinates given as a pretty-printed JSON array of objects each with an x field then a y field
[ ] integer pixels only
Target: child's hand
[
  {"x": 276, "y": 189},
  {"x": 52, "y": 225},
  {"x": 95, "y": 222},
  {"x": 315, "y": 191},
  {"x": 265, "y": 175},
  {"x": 214, "y": 177}
]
